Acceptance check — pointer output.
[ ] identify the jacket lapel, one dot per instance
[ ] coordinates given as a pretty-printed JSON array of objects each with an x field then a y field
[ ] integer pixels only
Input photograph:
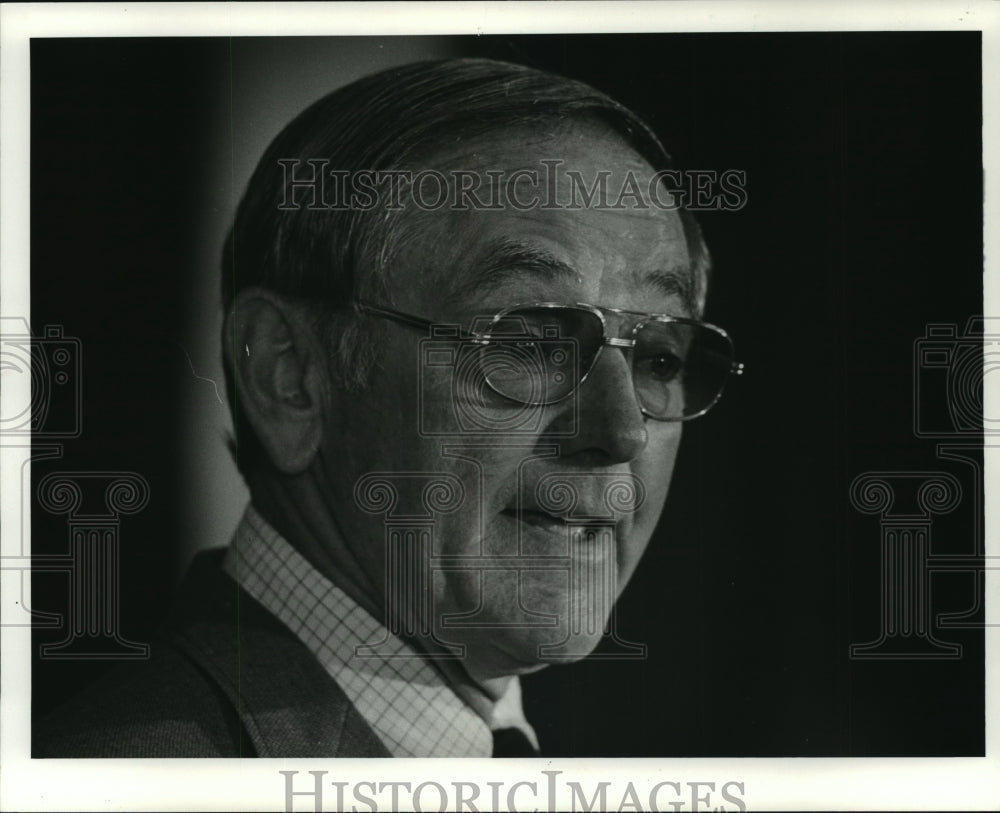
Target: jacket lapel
[{"x": 288, "y": 704}]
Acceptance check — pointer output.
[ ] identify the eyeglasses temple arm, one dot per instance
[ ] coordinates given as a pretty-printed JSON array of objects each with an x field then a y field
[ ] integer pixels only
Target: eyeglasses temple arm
[{"x": 404, "y": 318}]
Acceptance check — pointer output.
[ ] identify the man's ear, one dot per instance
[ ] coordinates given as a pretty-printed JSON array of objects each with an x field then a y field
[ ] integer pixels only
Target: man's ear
[{"x": 280, "y": 373}]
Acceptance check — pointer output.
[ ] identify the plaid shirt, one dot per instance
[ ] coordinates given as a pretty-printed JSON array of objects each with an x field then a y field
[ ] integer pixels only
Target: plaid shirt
[{"x": 402, "y": 697}]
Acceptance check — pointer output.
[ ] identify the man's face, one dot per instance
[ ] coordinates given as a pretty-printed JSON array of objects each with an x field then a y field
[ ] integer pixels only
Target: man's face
[{"x": 453, "y": 266}]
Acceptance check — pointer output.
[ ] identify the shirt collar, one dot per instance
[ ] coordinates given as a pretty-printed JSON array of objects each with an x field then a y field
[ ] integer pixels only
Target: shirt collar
[{"x": 403, "y": 698}]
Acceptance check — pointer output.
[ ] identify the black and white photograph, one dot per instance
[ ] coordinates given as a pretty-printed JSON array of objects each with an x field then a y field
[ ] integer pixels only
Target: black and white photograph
[{"x": 618, "y": 401}]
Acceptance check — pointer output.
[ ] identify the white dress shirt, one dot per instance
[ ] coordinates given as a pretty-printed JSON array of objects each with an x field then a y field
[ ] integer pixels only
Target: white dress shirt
[{"x": 403, "y": 698}]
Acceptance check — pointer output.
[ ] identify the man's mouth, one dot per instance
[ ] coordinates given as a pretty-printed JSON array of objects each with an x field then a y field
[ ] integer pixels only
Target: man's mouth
[
  {"x": 531, "y": 516},
  {"x": 543, "y": 520}
]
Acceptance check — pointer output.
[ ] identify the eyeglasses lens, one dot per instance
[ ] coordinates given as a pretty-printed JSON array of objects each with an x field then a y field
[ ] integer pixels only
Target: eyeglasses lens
[
  {"x": 538, "y": 356},
  {"x": 679, "y": 369}
]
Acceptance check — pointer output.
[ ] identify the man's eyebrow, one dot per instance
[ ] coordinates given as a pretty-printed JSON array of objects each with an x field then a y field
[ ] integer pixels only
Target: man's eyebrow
[
  {"x": 674, "y": 282},
  {"x": 503, "y": 259}
]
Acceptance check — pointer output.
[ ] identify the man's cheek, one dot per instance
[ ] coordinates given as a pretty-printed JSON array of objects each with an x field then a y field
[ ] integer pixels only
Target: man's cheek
[
  {"x": 654, "y": 469},
  {"x": 655, "y": 466}
]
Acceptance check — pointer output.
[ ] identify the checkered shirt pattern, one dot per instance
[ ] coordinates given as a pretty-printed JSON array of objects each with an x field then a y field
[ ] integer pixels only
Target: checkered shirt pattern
[{"x": 401, "y": 696}]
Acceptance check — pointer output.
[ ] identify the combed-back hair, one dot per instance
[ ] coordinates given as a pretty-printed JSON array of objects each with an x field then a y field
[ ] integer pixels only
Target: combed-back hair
[{"x": 385, "y": 122}]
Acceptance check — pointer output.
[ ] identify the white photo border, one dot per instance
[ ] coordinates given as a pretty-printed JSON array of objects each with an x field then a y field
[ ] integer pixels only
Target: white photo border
[{"x": 209, "y": 784}]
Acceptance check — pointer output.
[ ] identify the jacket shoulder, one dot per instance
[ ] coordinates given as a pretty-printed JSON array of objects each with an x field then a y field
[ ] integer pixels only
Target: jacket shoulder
[
  {"x": 225, "y": 678},
  {"x": 160, "y": 707}
]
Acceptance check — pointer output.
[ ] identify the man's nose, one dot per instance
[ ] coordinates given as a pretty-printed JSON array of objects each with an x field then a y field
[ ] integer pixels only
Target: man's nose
[{"x": 610, "y": 422}]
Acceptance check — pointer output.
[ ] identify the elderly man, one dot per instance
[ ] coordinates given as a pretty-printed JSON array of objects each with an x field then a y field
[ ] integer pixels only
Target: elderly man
[{"x": 462, "y": 336}]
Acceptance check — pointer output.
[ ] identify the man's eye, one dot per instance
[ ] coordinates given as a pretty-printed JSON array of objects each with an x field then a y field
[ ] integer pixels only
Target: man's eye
[{"x": 659, "y": 366}]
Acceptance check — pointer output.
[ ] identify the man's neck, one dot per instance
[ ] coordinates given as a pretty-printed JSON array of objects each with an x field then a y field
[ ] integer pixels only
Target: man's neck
[{"x": 295, "y": 508}]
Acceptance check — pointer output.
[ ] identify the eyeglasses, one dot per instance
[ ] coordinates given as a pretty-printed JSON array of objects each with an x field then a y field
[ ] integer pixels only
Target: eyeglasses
[{"x": 540, "y": 353}]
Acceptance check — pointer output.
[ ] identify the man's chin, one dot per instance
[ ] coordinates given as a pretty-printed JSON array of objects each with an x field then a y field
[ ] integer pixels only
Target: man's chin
[{"x": 524, "y": 651}]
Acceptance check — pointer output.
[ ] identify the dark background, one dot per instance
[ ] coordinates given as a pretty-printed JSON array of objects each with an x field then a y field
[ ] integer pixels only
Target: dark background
[{"x": 863, "y": 225}]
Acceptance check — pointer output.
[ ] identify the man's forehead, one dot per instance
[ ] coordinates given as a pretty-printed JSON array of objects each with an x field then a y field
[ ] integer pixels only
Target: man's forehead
[
  {"x": 517, "y": 147},
  {"x": 545, "y": 231},
  {"x": 509, "y": 263}
]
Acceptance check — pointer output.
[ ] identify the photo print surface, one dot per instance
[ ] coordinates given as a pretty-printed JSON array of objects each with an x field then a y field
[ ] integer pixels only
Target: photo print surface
[{"x": 670, "y": 445}]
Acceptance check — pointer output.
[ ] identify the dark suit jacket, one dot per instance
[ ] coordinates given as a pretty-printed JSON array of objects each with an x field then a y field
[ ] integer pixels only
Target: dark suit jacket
[{"x": 224, "y": 679}]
